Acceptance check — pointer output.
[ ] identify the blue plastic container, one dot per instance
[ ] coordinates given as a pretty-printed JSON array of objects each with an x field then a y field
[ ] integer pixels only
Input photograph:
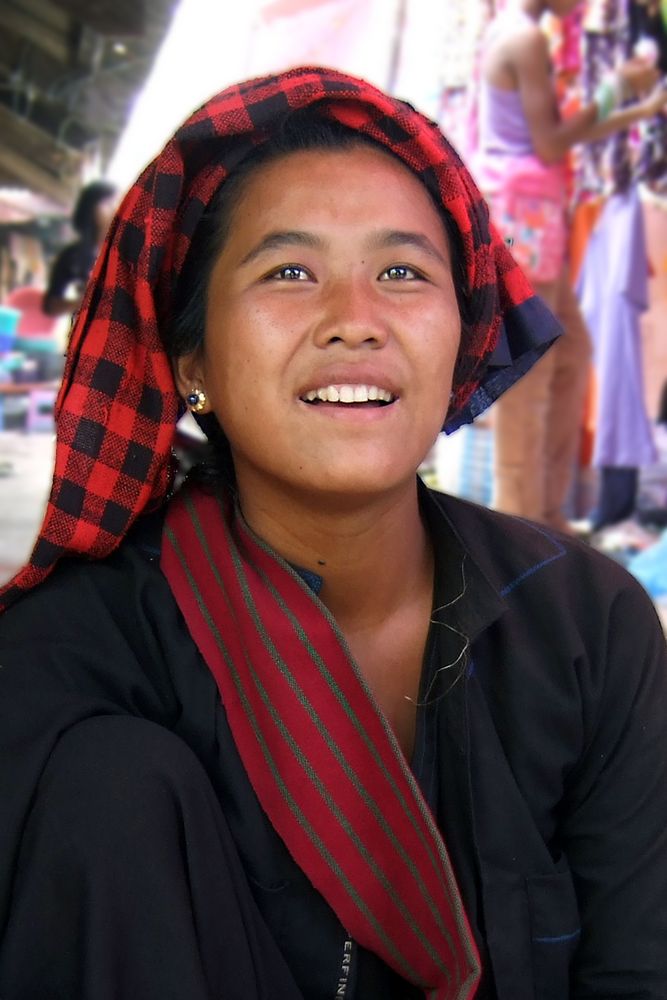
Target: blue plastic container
[{"x": 9, "y": 322}]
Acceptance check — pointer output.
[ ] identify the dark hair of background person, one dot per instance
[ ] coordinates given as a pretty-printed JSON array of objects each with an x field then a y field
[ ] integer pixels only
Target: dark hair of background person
[
  {"x": 72, "y": 266},
  {"x": 83, "y": 216}
]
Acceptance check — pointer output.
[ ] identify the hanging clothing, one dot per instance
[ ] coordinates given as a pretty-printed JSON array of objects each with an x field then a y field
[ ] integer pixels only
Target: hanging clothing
[{"x": 613, "y": 291}]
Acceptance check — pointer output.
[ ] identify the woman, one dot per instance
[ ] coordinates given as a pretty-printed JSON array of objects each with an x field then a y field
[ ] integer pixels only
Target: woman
[
  {"x": 523, "y": 142},
  {"x": 306, "y": 729},
  {"x": 71, "y": 268}
]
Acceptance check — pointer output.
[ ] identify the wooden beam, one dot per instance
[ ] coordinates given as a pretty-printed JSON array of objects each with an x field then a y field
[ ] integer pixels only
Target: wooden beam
[
  {"x": 36, "y": 159},
  {"x": 23, "y": 24},
  {"x": 32, "y": 176},
  {"x": 113, "y": 18}
]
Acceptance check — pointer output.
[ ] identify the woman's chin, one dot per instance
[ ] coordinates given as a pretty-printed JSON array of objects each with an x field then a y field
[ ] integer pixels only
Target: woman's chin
[
  {"x": 352, "y": 485},
  {"x": 346, "y": 478}
]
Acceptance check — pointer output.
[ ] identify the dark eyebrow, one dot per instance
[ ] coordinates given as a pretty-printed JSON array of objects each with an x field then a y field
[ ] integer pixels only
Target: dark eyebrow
[
  {"x": 280, "y": 239},
  {"x": 386, "y": 238},
  {"x": 398, "y": 237}
]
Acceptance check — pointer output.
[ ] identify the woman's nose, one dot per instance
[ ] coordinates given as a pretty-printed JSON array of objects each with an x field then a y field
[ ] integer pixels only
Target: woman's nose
[{"x": 351, "y": 315}]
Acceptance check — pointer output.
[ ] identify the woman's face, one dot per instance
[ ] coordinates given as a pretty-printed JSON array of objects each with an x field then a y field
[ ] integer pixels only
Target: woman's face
[{"x": 332, "y": 326}]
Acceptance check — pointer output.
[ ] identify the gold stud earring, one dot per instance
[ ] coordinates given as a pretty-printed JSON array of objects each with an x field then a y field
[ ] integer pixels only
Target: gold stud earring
[{"x": 196, "y": 400}]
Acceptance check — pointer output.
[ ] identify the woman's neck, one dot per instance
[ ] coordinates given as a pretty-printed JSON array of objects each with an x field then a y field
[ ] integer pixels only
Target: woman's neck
[{"x": 371, "y": 557}]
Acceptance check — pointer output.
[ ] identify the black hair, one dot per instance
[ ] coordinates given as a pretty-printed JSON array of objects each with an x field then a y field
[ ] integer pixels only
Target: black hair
[
  {"x": 300, "y": 131},
  {"x": 83, "y": 216}
]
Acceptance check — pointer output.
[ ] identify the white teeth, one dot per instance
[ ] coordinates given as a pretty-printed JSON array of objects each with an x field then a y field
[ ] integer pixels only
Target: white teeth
[{"x": 348, "y": 394}]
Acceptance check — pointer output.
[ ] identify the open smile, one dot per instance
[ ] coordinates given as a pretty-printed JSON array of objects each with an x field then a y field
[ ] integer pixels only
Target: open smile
[{"x": 365, "y": 395}]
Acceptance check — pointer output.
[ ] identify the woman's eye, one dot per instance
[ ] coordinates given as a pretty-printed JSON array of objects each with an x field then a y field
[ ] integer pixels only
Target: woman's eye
[
  {"x": 400, "y": 272},
  {"x": 291, "y": 272}
]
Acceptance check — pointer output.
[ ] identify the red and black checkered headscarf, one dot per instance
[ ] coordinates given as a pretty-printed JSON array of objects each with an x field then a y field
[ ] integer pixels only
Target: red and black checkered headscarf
[{"x": 118, "y": 406}]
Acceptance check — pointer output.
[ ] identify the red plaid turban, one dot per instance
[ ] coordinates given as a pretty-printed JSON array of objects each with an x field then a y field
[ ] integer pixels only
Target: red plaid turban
[{"x": 117, "y": 407}]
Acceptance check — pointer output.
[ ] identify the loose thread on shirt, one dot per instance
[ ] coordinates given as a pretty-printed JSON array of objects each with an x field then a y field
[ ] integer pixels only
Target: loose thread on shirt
[{"x": 461, "y": 658}]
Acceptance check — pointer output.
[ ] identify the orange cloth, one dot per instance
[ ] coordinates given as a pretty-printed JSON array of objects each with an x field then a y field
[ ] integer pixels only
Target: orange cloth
[{"x": 584, "y": 220}]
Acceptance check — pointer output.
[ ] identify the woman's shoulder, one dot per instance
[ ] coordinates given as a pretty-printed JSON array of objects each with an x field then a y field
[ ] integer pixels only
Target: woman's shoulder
[
  {"x": 509, "y": 46},
  {"x": 108, "y": 629},
  {"x": 564, "y": 609},
  {"x": 520, "y": 557},
  {"x": 82, "y": 594}
]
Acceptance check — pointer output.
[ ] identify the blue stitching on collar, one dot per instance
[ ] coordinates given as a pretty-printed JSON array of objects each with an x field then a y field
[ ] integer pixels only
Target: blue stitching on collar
[{"x": 534, "y": 569}]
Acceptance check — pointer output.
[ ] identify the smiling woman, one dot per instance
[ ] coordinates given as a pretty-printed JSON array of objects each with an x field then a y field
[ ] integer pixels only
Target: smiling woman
[
  {"x": 301, "y": 728},
  {"x": 360, "y": 294}
]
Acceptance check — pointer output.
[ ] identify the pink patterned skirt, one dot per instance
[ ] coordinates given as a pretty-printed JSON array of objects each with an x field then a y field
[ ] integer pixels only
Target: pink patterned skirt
[{"x": 527, "y": 201}]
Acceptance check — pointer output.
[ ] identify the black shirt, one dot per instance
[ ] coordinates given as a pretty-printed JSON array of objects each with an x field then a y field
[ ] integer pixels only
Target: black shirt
[
  {"x": 542, "y": 752},
  {"x": 72, "y": 266}
]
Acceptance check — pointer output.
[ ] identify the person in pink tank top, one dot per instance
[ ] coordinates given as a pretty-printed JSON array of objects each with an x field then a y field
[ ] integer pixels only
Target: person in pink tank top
[{"x": 520, "y": 164}]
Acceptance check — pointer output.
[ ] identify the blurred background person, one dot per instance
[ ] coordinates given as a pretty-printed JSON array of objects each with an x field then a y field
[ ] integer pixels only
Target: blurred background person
[
  {"x": 71, "y": 268},
  {"x": 521, "y": 165}
]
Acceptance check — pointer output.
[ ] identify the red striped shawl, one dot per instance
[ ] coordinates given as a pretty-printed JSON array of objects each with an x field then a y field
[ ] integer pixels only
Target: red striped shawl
[{"x": 325, "y": 765}]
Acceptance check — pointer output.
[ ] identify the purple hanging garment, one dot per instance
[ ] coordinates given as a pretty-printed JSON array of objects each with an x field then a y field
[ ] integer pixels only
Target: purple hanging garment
[{"x": 613, "y": 290}]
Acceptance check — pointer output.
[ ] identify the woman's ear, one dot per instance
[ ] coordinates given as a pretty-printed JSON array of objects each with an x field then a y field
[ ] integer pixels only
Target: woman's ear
[{"x": 189, "y": 379}]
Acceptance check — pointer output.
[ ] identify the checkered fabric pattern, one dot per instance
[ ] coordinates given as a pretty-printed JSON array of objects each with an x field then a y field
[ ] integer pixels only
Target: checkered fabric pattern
[{"x": 117, "y": 408}]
